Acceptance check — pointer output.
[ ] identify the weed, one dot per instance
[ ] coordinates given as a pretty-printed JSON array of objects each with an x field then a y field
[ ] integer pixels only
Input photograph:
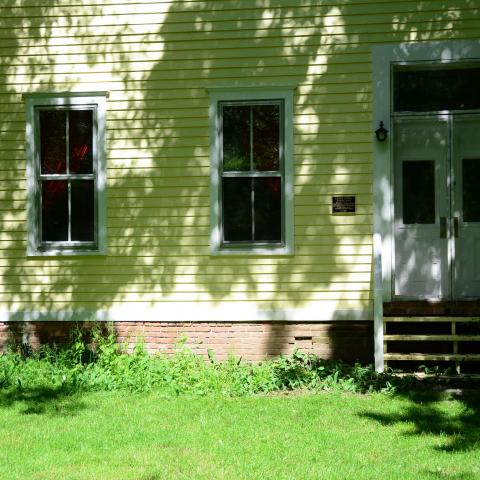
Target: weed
[{"x": 94, "y": 361}]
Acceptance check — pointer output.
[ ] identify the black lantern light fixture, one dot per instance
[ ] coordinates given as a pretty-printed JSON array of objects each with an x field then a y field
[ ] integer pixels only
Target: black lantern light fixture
[{"x": 381, "y": 133}]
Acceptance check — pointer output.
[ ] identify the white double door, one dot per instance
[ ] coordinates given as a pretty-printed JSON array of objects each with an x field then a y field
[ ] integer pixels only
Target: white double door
[{"x": 437, "y": 207}]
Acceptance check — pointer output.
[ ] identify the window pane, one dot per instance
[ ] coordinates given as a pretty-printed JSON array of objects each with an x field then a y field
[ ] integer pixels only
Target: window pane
[
  {"x": 236, "y": 137},
  {"x": 441, "y": 89},
  {"x": 53, "y": 143},
  {"x": 83, "y": 202},
  {"x": 471, "y": 198},
  {"x": 80, "y": 131},
  {"x": 419, "y": 192},
  {"x": 54, "y": 210},
  {"x": 266, "y": 137},
  {"x": 268, "y": 209},
  {"x": 237, "y": 209}
]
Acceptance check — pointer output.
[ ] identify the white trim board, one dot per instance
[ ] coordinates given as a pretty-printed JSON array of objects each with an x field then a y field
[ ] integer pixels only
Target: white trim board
[
  {"x": 69, "y": 99},
  {"x": 251, "y": 94},
  {"x": 382, "y": 58},
  {"x": 190, "y": 313}
]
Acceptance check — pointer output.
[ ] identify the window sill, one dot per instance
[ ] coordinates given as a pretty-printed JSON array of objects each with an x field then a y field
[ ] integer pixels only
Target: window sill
[
  {"x": 65, "y": 253},
  {"x": 253, "y": 252}
]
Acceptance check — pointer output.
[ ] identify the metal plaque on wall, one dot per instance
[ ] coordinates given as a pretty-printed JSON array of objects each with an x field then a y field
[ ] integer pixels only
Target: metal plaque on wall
[{"x": 343, "y": 204}]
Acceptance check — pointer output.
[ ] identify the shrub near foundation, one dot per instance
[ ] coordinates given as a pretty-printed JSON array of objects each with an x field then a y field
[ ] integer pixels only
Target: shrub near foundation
[{"x": 101, "y": 364}]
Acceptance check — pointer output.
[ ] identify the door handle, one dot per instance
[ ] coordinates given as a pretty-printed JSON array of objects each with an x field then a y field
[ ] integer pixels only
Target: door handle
[
  {"x": 443, "y": 227},
  {"x": 455, "y": 227}
]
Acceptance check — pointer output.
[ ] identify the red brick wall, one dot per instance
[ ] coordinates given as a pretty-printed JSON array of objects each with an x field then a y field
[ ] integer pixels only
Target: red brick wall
[{"x": 254, "y": 341}]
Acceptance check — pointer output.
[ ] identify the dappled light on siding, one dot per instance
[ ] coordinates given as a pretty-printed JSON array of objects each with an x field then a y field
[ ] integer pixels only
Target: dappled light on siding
[{"x": 158, "y": 61}]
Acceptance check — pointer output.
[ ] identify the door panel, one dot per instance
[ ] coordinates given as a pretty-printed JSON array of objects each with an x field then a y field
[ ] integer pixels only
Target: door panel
[
  {"x": 421, "y": 201},
  {"x": 466, "y": 206}
]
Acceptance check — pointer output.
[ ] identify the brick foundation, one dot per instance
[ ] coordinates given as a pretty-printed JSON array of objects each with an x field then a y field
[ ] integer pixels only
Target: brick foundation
[{"x": 253, "y": 341}]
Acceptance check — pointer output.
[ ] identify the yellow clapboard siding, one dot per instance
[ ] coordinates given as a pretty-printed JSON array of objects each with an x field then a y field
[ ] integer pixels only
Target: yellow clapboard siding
[
  {"x": 103, "y": 73},
  {"x": 341, "y": 90},
  {"x": 326, "y": 282},
  {"x": 181, "y": 35},
  {"x": 340, "y": 161},
  {"x": 197, "y": 290},
  {"x": 68, "y": 295},
  {"x": 151, "y": 103},
  {"x": 326, "y": 210},
  {"x": 202, "y": 171},
  {"x": 329, "y": 231},
  {"x": 143, "y": 266},
  {"x": 159, "y": 59},
  {"x": 178, "y": 240},
  {"x": 176, "y": 249},
  {"x": 142, "y": 7},
  {"x": 122, "y": 43},
  {"x": 362, "y": 14},
  {"x": 154, "y": 226},
  {"x": 222, "y": 42},
  {"x": 189, "y": 214},
  {"x": 335, "y": 179},
  {"x": 93, "y": 79},
  {"x": 170, "y": 306},
  {"x": 331, "y": 169},
  {"x": 196, "y": 62},
  {"x": 159, "y": 283},
  {"x": 163, "y": 152},
  {"x": 158, "y": 177}
]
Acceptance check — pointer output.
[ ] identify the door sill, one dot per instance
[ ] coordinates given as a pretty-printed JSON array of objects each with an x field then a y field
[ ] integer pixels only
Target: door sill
[{"x": 431, "y": 308}]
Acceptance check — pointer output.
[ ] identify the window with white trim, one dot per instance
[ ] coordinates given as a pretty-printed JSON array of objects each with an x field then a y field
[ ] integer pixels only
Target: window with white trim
[
  {"x": 66, "y": 173},
  {"x": 252, "y": 201}
]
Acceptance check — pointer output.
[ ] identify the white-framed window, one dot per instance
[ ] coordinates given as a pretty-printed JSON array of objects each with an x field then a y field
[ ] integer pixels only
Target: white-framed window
[
  {"x": 251, "y": 171},
  {"x": 66, "y": 174}
]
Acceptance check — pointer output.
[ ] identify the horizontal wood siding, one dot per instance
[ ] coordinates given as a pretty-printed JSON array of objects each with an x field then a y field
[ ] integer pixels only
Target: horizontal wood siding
[{"x": 158, "y": 59}]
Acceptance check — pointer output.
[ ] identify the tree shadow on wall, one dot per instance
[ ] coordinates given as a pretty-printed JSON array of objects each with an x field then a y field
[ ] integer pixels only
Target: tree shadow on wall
[
  {"x": 324, "y": 51},
  {"x": 159, "y": 157},
  {"x": 208, "y": 46}
]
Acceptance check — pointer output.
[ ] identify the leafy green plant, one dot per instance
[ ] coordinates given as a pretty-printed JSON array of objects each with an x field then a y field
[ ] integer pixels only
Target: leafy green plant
[{"x": 94, "y": 361}]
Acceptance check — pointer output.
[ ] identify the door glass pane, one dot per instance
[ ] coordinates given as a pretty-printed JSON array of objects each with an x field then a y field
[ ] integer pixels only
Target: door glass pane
[
  {"x": 436, "y": 89},
  {"x": 83, "y": 210},
  {"x": 471, "y": 196},
  {"x": 53, "y": 145},
  {"x": 237, "y": 209},
  {"x": 418, "y": 191},
  {"x": 80, "y": 132},
  {"x": 268, "y": 209},
  {"x": 54, "y": 210},
  {"x": 236, "y": 138},
  {"x": 266, "y": 137}
]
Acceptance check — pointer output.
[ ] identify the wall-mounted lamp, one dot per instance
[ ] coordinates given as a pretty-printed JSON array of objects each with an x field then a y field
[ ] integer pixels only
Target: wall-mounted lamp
[{"x": 381, "y": 133}]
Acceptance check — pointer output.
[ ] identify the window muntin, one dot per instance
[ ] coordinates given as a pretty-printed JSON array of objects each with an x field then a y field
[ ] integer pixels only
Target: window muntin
[
  {"x": 252, "y": 172},
  {"x": 66, "y": 173}
]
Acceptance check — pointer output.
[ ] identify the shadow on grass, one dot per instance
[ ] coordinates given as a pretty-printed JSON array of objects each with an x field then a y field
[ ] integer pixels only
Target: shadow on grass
[
  {"x": 460, "y": 429},
  {"x": 439, "y": 473},
  {"x": 42, "y": 400}
]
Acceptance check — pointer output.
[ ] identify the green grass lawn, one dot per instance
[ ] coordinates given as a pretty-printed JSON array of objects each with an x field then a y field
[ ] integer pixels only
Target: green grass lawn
[{"x": 121, "y": 435}]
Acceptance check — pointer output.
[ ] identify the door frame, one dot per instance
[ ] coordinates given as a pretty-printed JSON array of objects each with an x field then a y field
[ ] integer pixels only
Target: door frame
[{"x": 383, "y": 59}]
